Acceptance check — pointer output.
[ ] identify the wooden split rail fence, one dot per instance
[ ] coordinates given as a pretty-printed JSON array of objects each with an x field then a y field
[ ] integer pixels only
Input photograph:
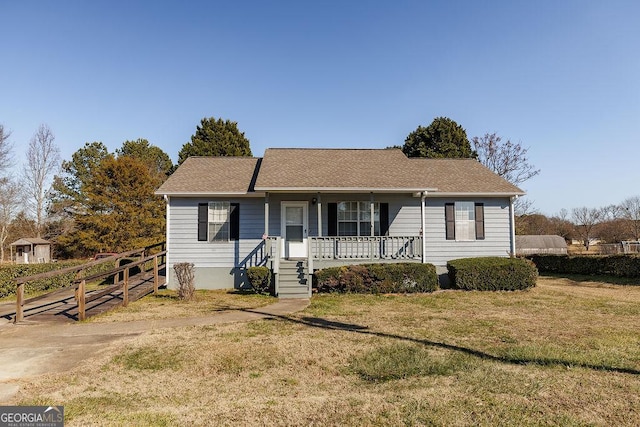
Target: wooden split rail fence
[{"x": 80, "y": 282}]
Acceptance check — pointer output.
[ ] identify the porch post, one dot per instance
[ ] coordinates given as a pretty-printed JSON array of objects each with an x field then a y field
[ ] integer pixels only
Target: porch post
[
  {"x": 372, "y": 228},
  {"x": 423, "y": 202},
  {"x": 266, "y": 214},
  {"x": 319, "y": 204},
  {"x": 513, "y": 226},
  {"x": 167, "y": 243}
]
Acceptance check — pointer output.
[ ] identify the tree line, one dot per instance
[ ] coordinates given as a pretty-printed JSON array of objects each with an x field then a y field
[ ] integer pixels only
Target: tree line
[
  {"x": 608, "y": 224},
  {"x": 101, "y": 201}
]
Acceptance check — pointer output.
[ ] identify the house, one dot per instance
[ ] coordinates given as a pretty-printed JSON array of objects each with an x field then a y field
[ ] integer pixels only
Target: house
[
  {"x": 540, "y": 245},
  {"x": 30, "y": 250},
  {"x": 298, "y": 210}
]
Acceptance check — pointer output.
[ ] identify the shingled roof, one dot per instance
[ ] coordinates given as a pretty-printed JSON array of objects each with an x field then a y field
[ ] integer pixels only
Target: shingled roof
[
  {"x": 212, "y": 175},
  {"x": 331, "y": 169},
  {"x": 460, "y": 176},
  {"x": 30, "y": 241},
  {"x": 297, "y": 169},
  {"x": 337, "y": 170}
]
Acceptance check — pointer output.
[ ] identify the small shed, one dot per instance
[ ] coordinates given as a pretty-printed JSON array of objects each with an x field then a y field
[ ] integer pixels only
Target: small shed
[
  {"x": 31, "y": 250},
  {"x": 541, "y": 245}
]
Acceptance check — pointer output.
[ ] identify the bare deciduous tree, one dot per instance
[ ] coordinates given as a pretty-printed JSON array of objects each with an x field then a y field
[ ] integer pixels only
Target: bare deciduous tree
[
  {"x": 523, "y": 206},
  {"x": 10, "y": 203},
  {"x": 6, "y": 156},
  {"x": 507, "y": 159},
  {"x": 630, "y": 210},
  {"x": 561, "y": 225},
  {"x": 585, "y": 219},
  {"x": 43, "y": 159}
]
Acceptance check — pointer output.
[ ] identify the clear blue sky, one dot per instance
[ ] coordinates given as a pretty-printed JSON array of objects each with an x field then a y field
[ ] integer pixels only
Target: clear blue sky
[{"x": 562, "y": 77}]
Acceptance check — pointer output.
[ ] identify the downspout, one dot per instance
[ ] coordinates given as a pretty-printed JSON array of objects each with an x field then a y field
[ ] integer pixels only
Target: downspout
[
  {"x": 166, "y": 245},
  {"x": 423, "y": 208},
  {"x": 513, "y": 226}
]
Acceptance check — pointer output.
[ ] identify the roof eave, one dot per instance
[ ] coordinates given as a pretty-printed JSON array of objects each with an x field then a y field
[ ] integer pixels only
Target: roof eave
[
  {"x": 340, "y": 190},
  {"x": 208, "y": 194},
  {"x": 474, "y": 194}
]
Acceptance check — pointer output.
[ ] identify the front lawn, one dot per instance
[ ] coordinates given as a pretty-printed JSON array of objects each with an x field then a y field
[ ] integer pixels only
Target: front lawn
[{"x": 563, "y": 353}]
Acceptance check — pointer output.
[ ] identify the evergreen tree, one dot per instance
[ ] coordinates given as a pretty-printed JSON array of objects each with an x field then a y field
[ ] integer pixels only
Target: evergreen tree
[
  {"x": 443, "y": 138},
  {"x": 123, "y": 212},
  {"x": 216, "y": 138}
]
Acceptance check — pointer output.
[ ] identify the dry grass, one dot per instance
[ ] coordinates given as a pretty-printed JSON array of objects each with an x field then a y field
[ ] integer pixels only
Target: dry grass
[
  {"x": 167, "y": 305},
  {"x": 563, "y": 353}
]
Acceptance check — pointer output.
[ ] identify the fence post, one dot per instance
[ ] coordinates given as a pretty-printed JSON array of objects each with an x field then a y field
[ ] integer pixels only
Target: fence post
[
  {"x": 155, "y": 275},
  {"x": 116, "y": 277},
  {"x": 81, "y": 301},
  {"x": 19, "y": 303},
  {"x": 125, "y": 296}
]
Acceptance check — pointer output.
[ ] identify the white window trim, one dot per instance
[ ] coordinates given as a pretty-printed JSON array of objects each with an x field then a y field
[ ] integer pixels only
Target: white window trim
[
  {"x": 358, "y": 221},
  {"x": 212, "y": 210},
  {"x": 469, "y": 222}
]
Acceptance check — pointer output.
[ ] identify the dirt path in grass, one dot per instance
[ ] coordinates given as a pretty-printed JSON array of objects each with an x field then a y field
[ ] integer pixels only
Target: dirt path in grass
[{"x": 30, "y": 349}]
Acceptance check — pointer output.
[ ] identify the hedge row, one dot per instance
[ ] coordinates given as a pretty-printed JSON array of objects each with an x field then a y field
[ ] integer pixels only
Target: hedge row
[
  {"x": 378, "y": 278},
  {"x": 615, "y": 265},
  {"x": 10, "y": 272},
  {"x": 492, "y": 274}
]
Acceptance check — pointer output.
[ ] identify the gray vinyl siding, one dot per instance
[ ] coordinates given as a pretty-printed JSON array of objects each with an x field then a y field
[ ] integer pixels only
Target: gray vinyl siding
[
  {"x": 497, "y": 240},
  {"x": 404, "y": 212},
  {"x": 404, "y": 216},
  {"x": 275, "y": 209},
  {"x": 221, "y": 263},
  {"x": 183, "y": 241}
]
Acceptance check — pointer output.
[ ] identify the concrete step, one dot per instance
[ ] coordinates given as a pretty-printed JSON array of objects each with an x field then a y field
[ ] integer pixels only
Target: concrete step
[{"x": 292, "y": 296}]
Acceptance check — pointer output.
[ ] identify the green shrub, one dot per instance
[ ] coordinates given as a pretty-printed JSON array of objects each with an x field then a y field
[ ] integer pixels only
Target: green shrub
[
  {"x": 615, "y": 265},
  {"x": 378, "y": 278},
  {"x": 492, "y": 274},
  {"x": 10, "y": 272},
  {"x": 260, "y": 279}
]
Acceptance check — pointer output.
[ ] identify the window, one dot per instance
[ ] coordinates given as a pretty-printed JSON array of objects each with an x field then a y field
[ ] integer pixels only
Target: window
[
  {"x": 218, "y": 221},
  {"x": 354, "y": 218},
  {"x": 464, "y": 221}
]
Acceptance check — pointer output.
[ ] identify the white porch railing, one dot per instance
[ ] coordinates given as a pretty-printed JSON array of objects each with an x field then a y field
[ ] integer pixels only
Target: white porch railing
[
  {"x": 273, "y": 252},
  {"x": 365, "y": 247}
]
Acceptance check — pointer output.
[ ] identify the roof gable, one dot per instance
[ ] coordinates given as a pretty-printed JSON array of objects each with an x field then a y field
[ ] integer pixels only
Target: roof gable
[
  {"x": 30, "y": 241},
  {"x": 212, "y": 175},
  {"x": 330, "y": 169}
]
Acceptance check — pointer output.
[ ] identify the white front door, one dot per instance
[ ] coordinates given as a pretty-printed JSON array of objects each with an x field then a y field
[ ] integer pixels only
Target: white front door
[{"x": 294, "y": 229}]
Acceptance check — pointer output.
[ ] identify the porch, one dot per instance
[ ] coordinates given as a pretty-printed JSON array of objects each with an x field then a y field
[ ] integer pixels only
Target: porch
[{"x": 333, "y": 251}]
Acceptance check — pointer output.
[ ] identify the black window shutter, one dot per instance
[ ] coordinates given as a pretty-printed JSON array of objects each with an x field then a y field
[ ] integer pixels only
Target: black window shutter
[
  {"x": 480, "y": 221},
  {"x": 234, "y": 222},
  {"x": 332, "y": 222},
  {"x": 450, "y": 220},
  {"x": 203, "y": 221},
  {"x": 384, "y": 218}
]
